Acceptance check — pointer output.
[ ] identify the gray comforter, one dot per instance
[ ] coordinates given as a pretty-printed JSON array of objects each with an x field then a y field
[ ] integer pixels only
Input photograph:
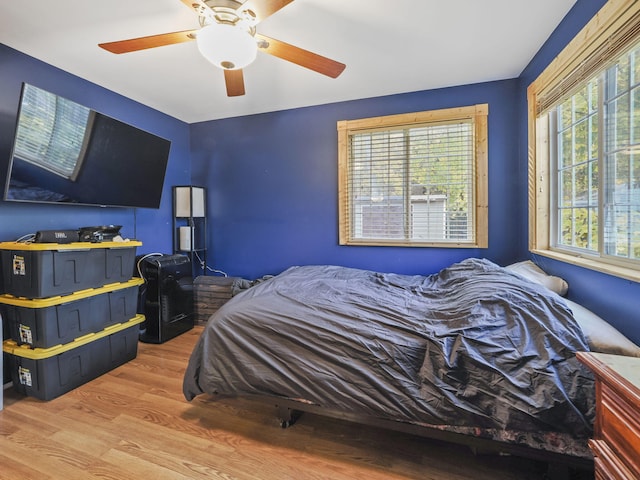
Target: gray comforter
[{"x": 473, "y": 345}]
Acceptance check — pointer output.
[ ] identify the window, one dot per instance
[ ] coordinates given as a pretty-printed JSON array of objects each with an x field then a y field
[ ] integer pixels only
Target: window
[
  {"x": 51, "y": 132},
  {"x": 584, "y": 144},
  {"x": 415, "y": 179}
]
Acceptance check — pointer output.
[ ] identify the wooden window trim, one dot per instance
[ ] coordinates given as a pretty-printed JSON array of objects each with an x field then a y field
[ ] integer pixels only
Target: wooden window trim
[{"x": 613, "y": 19}]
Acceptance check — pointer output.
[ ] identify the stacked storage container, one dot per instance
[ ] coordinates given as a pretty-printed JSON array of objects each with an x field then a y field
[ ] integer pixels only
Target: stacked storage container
[
  {"x": 70, "y": 310},
  {"x": 210, "y": 293}
]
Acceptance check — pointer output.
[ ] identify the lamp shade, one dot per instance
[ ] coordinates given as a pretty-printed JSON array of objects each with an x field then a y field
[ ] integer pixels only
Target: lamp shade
[{"x": 229, "y": 47}]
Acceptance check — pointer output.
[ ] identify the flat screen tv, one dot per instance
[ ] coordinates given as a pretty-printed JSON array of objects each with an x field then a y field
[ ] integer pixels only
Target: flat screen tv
[{"x": 67, "y": 153}]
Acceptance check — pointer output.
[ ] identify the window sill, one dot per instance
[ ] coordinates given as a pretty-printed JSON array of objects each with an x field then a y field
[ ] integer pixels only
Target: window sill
[
  {"x": 382, "y": 243},
  {"x": 609, "y": 269}
]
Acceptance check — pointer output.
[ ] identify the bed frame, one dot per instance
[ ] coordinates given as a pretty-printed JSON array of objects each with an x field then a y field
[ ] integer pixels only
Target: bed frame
[
  {"x": 560, "y": 466},
  {"x": 287, "y": 411}
]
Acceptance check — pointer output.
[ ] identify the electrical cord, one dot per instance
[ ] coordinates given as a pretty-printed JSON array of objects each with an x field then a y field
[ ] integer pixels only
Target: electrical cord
[
  {"x": 28, "y": 238},
  {"x": 202, "y": 266},
  {"x": 141, "y": 259}
]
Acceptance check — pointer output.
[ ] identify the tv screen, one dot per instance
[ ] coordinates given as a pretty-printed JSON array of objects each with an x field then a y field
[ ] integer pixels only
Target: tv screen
[{"x": 64, "y": 152}]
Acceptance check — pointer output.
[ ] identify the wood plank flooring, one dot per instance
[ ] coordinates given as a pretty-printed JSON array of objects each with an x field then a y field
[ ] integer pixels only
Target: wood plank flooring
[{"x": 134, "y": 423}]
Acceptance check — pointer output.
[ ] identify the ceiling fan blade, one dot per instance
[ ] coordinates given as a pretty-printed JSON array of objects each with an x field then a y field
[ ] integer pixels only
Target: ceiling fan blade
[
  {"x": 152, "y": 41},
  {"x": 258, "y": 10},
  {"x": 198, "y": 6},
  {"x": 299, "y": 56},
  {"x": 234, "y": 79}
]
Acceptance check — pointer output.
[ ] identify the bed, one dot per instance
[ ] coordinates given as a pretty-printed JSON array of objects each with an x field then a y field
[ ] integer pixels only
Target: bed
[{"x": 476, "y": 353}]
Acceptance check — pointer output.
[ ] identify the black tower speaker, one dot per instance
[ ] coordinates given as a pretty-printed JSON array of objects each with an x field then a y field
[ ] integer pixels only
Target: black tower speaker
[{"x": 168, "y": 297}]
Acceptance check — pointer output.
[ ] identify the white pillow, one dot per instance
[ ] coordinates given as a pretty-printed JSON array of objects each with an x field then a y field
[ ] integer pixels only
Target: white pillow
[
  {"x": 532, "y": 272},
  {"x": 602, "y": 336}
]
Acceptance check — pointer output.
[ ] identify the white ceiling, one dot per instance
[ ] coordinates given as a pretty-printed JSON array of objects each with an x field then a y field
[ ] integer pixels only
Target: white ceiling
[{"x": 388, "y": 46}]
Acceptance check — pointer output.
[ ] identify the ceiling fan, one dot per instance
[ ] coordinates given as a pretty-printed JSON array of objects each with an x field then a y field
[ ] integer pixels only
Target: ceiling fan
[{"x": 228, "y": 39}]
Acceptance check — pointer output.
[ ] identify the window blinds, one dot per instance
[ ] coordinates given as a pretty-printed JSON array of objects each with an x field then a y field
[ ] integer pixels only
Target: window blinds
[
  {"x": 412, "y": 183},
  {"x": 52, "y": 132},
  {"x": 573, "y": 69}
]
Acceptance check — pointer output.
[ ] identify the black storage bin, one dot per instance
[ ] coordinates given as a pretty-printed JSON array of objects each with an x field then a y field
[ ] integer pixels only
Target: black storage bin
[
  {"x": 49, "y": 373},
  {"x": 38, "y": 270},
  {"x": 44, "y": 323}
]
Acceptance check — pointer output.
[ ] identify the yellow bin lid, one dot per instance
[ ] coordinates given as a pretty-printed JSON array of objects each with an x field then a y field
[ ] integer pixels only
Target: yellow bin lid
[
  {"x": 67, "y": 246},
  {"x": 60, "y": 299},
  {"x": 12, "y": 348}
]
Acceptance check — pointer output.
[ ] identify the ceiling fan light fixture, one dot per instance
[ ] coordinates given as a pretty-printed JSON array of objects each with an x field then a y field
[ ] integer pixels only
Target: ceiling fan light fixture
[{"x": 227, "y": 46}]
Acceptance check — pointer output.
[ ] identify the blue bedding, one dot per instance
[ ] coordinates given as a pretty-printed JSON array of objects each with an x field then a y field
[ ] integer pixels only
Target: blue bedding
[{"x": 473, "y": 345}]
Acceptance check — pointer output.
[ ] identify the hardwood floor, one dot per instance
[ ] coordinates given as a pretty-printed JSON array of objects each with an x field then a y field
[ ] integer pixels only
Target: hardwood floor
[{"x": 134, "y": 423}]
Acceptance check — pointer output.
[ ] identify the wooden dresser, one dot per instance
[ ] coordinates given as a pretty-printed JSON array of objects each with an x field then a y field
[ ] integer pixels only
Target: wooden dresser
[{"x": 616, "y": 442}]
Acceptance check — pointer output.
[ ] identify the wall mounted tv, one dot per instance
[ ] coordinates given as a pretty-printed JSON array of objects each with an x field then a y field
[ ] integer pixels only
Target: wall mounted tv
[{"x": 67, "y": 153}]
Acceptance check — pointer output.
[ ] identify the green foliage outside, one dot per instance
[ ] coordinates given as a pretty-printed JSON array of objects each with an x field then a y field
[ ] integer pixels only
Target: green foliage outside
[
  {"x": 429, "y": 160},
  {"x": 579, "y": 163}
]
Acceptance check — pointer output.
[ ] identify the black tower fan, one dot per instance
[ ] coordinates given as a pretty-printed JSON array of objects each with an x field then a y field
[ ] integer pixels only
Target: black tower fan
[{"x": 167, "y": 300}]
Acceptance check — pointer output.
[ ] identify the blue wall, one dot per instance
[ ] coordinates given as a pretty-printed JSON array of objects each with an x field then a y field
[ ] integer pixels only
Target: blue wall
[
  {"x": 272, "y": 179},
  {"x": 152, "y": 227},
  {"x": 273, "y": 184}
]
